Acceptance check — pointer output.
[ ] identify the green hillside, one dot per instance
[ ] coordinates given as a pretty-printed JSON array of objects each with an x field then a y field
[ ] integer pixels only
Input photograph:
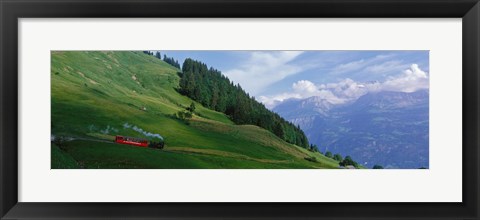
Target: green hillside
[{"x": 97, "y": 95}]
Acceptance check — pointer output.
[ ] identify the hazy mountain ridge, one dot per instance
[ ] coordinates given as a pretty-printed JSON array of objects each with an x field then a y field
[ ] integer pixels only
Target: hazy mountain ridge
[{"x": 386, "y": 128}]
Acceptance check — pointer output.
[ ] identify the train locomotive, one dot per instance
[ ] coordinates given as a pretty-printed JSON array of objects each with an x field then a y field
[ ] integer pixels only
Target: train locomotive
[{"x": 139, "y": 142}]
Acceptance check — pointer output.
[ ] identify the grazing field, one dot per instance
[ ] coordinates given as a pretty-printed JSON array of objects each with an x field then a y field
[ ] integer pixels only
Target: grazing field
[{"x": 97, "y": 95}]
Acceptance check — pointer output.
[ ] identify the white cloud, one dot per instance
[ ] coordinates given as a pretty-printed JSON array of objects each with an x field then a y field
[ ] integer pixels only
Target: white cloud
[
  {"x": 359, "y": 64},
  {"x": 347, "y": 90},
  {"x": 305, "y": 86},
  {"x": 412, "y": 80},
  {"x": 264, "y": 68},
  {"x": 272, "y": 101},
  {"x": 302, "y": 89},
  {"x": 385, "y": 67}
]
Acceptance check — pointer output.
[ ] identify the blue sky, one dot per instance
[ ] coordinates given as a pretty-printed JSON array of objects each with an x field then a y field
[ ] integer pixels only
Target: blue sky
[{"x": 338, "y": 76}]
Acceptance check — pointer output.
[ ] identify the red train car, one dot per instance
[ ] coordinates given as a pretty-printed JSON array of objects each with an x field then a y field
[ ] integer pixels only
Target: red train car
[{"x": 131, "y": 141}]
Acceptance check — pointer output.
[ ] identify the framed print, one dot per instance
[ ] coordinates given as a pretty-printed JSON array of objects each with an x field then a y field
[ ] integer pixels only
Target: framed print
[{"x": 226, "y": 109}]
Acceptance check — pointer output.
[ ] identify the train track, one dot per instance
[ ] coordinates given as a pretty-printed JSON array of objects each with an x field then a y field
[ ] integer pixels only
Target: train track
[
  {"x": 87, "y": 139},
  {"x": 95, "y": 140}
]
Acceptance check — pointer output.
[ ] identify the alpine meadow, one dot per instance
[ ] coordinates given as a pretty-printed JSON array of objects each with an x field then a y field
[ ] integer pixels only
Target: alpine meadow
[{"x": 239, "y": 109}]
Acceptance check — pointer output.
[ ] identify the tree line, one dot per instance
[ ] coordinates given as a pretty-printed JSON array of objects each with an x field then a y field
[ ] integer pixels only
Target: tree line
[
  {"x": 168, "y": 60},
  {"x": 215, "y": 91},
  {"x": 344, "y": 162}
]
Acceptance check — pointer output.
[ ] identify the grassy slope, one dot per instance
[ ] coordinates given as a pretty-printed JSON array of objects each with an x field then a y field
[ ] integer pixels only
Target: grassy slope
[
  {"x": 61, "y": 159},
  {"x": 95, "y": 93}
]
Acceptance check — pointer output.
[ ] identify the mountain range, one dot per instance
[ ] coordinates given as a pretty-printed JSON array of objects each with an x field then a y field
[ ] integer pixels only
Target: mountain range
[{"x": 390, "y": 129}]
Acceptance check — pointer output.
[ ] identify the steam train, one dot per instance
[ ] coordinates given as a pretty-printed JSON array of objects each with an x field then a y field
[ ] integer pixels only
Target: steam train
[{"x": 139, "y": 142}]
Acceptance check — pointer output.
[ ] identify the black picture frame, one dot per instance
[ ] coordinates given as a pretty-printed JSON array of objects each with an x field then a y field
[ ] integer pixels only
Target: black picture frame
[{"x": 12, "y": 10}]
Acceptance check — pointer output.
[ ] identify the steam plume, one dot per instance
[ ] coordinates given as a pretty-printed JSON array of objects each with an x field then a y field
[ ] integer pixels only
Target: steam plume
[{"x": 141, "y": 131}]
